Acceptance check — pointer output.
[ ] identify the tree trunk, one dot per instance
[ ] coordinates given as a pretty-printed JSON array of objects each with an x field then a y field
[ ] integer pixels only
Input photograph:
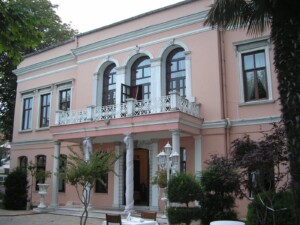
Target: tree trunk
[{"x": 286, "y": 38}]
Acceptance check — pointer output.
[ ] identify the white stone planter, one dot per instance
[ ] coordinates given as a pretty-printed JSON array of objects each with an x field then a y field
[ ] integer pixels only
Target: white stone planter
[{"x": 42, "y": 192}]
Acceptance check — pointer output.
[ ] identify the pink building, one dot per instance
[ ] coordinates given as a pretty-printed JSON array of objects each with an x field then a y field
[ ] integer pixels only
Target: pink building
[{"x": 155, "y": 78}]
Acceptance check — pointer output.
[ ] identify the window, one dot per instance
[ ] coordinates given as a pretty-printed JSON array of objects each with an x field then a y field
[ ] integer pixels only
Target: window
[
  {"x": 140, "y": 81},
  {"x": 109, "y": 85},
  {"x": 182, "y": 160},
  {"x": 40, "y": 166},
  {"x": 175, "y": 72},
  {"x": 102, "y": 186},
  {"x": 255, "y": 76},
  {"x": 64, "y": 99},
  {"x": 45, "y": 110},
  {"x": 62, "y": 168},
  {"x": 27, "y": 113},
  {"x": 23, "y": 163},
  {"x": 254, "y": 71}
]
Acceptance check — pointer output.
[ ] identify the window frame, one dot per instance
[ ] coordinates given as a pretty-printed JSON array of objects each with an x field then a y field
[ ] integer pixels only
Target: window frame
[
  {"x": 40, "y": 168},
  {"x": 107, "y": 75},
  {"x": 41, "y": 110},
  {"x": 169, "y": 71},
  {"x": 62, "y": 86},
  {"x": 30, "y": 122},
  {"x": 99, "y": 187},
  {"x": 247, "y": 47},
  {"x": 62, "y": 166}
]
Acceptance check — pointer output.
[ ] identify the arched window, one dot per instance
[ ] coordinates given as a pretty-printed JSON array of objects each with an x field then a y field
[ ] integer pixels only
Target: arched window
[
  {"x": 109, "y": 85},
  {"x": 23, "y": 162},
  {"x": 175, "y": 72},
  {"x": 40, "y": 166},
  {"x": 141, "y": 78}
]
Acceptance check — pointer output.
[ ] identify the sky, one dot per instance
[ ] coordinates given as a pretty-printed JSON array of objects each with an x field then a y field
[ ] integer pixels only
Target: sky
[{"x": 86, "y": 15}]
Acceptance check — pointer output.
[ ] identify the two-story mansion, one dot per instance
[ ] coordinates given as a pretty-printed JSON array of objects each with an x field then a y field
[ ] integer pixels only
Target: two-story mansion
[{"x": 155, "y": 78}]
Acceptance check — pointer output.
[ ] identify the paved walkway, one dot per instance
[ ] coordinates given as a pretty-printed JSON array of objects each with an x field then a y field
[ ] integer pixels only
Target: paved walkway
[
  {"x": 59, "y": 217},
  {"x": 32, "y": 218}
]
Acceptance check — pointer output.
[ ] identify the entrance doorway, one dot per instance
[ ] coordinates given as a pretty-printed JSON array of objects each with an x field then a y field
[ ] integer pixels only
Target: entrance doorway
[{"x": 140, "y": 177}]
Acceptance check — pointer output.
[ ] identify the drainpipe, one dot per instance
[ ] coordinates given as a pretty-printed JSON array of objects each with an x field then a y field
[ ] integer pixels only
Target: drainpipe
[{"x": 224, "y": 92}]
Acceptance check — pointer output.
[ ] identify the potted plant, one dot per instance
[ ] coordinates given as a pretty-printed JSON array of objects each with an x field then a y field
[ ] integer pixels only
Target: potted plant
[
  {"x": 160, "y": 178},
  {"x": 41, "y": 177}
]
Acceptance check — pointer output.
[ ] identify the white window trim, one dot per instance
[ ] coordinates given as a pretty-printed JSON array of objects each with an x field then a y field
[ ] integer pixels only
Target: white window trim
[
  {"x": 30, "y": 94},
  {"x": 253, "y": 46},
  {"x": 63, "y": 86},
  {"x": 43, "y": 91}
]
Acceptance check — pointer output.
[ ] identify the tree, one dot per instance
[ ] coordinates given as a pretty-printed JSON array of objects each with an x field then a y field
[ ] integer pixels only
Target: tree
[
  {"x": 262, "y": 164},
  {"x": 283, "y": 18},
  {"x": 26, "y": 26},
  {"x": 84, "y": 174}
]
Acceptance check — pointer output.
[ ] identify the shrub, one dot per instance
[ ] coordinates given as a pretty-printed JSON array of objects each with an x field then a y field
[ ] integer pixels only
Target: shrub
[
  {"x": 219, "y": 183},
  {"x": 177, "y": 215},
  {"x": 260, "y": 211},
  {"x": 15, "y": 197},
  {"x": 183, "y": 188}
]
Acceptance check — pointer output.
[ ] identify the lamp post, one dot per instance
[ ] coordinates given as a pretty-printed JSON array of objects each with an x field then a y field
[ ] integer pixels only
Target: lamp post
[{"x": 168, "y": 159}]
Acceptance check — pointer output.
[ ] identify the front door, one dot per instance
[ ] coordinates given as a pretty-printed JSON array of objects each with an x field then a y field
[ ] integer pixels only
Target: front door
[{"x": 141, "y": 177}]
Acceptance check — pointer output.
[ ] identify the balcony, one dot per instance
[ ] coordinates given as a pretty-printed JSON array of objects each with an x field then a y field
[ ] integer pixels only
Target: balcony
[{"x": 131, "y": 108}]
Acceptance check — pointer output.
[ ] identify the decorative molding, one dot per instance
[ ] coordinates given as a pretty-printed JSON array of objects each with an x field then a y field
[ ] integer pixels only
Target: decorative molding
[
  {"x": 240, "y": 122},
  {"x": 133, "y": 35},
  {"x": 32, "y": 142},
  {"x": 53, "y": 72},
  {"x": 44, "y": 64},
  {"x": 255, "y": 121}
]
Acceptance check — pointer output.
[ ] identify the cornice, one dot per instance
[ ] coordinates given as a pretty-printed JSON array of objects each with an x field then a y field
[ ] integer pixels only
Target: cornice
[
  {"x": 154, "y": 29},
  {"x": 44, "y": 64},
  {"x": 31, "y": 142}
]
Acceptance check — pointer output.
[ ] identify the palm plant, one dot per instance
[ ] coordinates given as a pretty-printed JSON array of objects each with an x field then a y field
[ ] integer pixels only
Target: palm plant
[{"x": 283, "y": 18}]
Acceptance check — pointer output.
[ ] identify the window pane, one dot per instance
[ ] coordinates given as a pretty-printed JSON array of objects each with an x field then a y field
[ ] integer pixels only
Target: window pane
[
  {"x": 248, "y": 62},
  {"x": 181, "y": 65},
  {"x": 260, "y": 59},
  {"x": 262, "y": 84},
  {"x": 250, "y": 89},
  {"x": 147, "y": 72}
]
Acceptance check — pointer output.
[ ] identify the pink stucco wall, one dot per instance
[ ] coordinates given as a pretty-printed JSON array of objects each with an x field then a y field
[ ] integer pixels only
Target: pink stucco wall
[{"x": 214, "y": 85}]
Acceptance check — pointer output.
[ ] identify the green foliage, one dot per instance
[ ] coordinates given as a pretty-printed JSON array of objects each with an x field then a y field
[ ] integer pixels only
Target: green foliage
[
  {"x": 183, "y": 188},
  {"x": 160, "y": 178},
  {"x": 271, "y": 208},
  {"x": 178, "y": 215},
  {"x": 83, "y": 174},
  {"x": 15, "y": 197},
  {"x": 26, "y": 26},
  {"x": 220, "y": 183},
  {"x": 283, "y": 18}
]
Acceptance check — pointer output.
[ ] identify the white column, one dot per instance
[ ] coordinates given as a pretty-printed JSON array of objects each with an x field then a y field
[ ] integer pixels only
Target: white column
[
  {"x": 188, "y": 77},
  {"x": 154, "y": 193},
  {"x": 198, "y": 155},
  {"x": 176, "y": 144},
  {"x": 120, "y": 79},
  {"x": 88, "y": 148},
  {"x": 55, "y": 176},
  {"x": 198, "y": 159},
  {"x": 116, "y": 199},
  {"x": 129, "y": 172},
  {"x": 156, "y": 78},
  {"x": 96, "y": 94}
]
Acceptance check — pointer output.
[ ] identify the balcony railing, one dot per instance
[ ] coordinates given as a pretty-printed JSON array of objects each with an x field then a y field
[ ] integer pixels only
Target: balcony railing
[{"x": 132, "y": 107}]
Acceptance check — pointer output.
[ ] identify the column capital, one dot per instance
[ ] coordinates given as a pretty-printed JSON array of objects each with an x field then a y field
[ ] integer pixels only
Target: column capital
[
  {"x": 155, "y": 62},
  {"x": 57, "y": 142}
]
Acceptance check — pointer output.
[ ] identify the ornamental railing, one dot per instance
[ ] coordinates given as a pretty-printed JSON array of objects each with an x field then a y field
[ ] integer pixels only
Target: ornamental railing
[{"x": 130, "y": 108}]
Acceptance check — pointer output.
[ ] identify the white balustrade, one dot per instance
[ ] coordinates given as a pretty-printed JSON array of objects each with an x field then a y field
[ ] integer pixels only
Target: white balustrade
[{"x": 131, "y": 107}]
